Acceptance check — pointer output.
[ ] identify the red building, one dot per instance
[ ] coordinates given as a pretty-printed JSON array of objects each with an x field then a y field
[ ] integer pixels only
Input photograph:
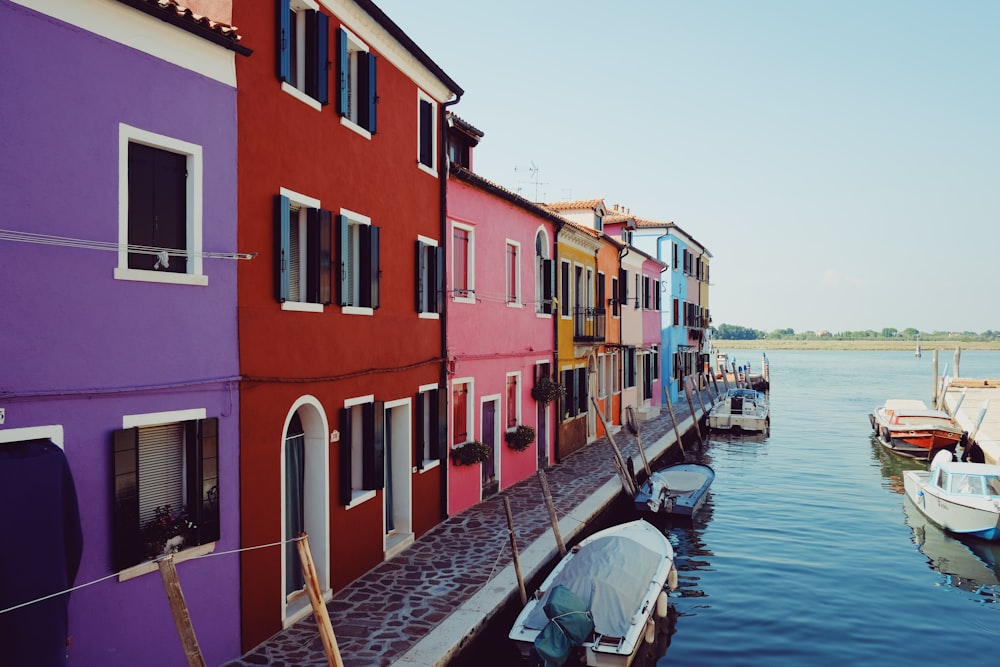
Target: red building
[{"x": 341, "y": 195}]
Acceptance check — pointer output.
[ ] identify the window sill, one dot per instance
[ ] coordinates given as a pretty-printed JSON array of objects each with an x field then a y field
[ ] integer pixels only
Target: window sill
[
  {"x": 179, "y": 557},
  {"x": 354, "y": 127},
  {"x": 357, "y": 310},
  {"x": 426, "y": 169},
  {"x": 463, "y": 299},
  {"x": 301, "y": 307},
  {"x": 360, "y": 497},
  {"x": 514, "y": 304},
  {"x": 428, "y": 465},
  {"x": 544, "y": 316},
  {"x": 429, "y": 316},
  {"x": 139, "y": 275},
  {"x": 308, "y": 100}
]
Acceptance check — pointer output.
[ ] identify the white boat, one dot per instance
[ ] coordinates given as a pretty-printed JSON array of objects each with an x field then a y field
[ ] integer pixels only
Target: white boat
[
  {"x": 741, "y": 410},
  {"x": 679, "y": 489},
  {"x": 962, "y": 498},
  {"x": 908, "y": 427},
  {"x": 618, "y": 575}
]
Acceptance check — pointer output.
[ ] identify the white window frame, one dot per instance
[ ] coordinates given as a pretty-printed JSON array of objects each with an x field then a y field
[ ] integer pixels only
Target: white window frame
[
  {"x": 470, "y": 288},
  {"x": 566, "y": 289},
  {"x": 424, "y": 97},
  {"x": 517, "y": 399},
  {"x": 297, "y": 89},
  {"x": 518, "y": 301},
  {"x": 422, "y": 391},
  {"x": 350, "y": 119},
  {"x": 300, "y": 202},
  {"x": 354, "y": 218},
  {"x": 194, "y": 196},
  {"x": 358, "y": 495},
  {"x": 424, "y": 315}
]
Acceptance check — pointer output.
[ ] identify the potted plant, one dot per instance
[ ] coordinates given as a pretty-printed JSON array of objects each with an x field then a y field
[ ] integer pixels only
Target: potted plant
[
  {"x": 167, "y": 533},
  {"x": 547, "y": 390},
  {"x": 471, "y": 453},
  {"x": 519, "y": 438}
]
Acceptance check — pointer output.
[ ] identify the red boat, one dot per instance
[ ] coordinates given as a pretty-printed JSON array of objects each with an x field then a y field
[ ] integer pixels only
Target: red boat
[{"x": 910, "y": 428}]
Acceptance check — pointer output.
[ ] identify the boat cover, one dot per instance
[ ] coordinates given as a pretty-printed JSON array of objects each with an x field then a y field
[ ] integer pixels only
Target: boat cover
[
  {"x": 570, "y": 623},
  {"x": 611, "y": 575}
]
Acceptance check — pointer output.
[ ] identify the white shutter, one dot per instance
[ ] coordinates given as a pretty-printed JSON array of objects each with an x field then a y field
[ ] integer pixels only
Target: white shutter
[{"x": 161, "y": 469}]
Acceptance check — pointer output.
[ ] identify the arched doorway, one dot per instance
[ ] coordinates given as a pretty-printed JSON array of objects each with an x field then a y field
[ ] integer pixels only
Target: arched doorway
[{"x": 305, "y": 484}]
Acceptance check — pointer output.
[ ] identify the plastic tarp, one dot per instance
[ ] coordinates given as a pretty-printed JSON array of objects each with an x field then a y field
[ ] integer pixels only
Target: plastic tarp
[
  {"x": 611, "y": 575},
  {"x": 570, "y": 623}
]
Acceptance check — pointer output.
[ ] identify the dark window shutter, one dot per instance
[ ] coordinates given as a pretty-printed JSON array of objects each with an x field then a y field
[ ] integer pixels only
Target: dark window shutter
[
  {"x": 600, "y": 292},
  {"x": 564, "y": 290},
  {"x": 438, "y": 283},
  {"x": 623, "y": 286},
  {"x": 422, "y": 418},
  {"x": 372, "y": 98},
  {"x": 426, "y": 133},
  {"x": 373, "y": 266},
  {"x": 373, "y": 448},
  {"x": 284, "y": 40},
  {"x": 547, "y": 280},
  {"x": 344, "y": 71},
  {"x": 325, "y": 251},
  {"x": 282, "y": 233},
  {"x": 322, "y": 58},
  {"x": 439, "y": 428},
  {"x": 127, "y": 548},
  {"x": 581, "y": 382},
  {"x": 343, "y": 248},
  {"x": 202, "y": 477},
  {"x": 345, "y": 478},
  {"x": 422, "y": 286}
]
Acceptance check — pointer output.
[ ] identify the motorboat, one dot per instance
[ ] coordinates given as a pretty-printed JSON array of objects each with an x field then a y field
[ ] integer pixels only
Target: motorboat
[
  {"x": 910, "y": 428},
  {"x": 741, "y": 410},
  {"x": 603, "y": 594},
  {"x": 680, "y": 489},
  {"x": 963, "y": 498}
]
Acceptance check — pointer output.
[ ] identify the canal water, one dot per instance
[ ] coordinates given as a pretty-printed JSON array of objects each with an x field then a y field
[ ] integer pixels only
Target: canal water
[{"x": 807, "y": 552}]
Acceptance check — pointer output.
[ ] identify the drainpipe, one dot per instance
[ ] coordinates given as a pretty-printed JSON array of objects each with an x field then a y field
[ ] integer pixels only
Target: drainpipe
[{"x": 443, "y": 171}]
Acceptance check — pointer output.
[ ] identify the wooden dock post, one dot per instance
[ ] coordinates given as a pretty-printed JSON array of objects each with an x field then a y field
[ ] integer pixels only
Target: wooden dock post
[
  {"x": 178, "y": 607},
  {"x": 701, "y": 402},
  {"x": 553, "y": 517},
  {"x": 316, "y": 600},
  {"x": 513, "y": 549},
  {"x": 979, "y": 420},
  {"x": 694, "y": 415},
  {"x": 633, "y": 421},
  {"x": 627, "y": 480},
  {"x": 958, "y": 357},
  {"x": 673, "y": 420},
  {"x": 934, "y": 396},
  {"x": 715, "y": 381}
]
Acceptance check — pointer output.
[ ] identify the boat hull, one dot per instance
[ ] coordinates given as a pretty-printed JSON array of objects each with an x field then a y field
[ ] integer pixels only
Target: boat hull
[
  {"x": 975, "y": 516},
  {"x": 603, "y": 651},
  {"x": 908, "y": 428},
  {"x": 680, "y": 490}
]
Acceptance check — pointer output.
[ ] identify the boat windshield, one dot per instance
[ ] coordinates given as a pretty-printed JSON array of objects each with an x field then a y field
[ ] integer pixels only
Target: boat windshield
[{"x": 965, "y": 483}]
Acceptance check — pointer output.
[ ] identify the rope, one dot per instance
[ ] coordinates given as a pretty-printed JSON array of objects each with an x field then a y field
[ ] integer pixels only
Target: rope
[
  {"x": 68, "y": 242},
  {"x": 115, "y": 574}
]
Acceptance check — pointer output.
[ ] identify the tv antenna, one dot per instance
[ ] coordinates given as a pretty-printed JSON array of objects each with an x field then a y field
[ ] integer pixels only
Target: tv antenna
[{"x": 533, "y": 177}]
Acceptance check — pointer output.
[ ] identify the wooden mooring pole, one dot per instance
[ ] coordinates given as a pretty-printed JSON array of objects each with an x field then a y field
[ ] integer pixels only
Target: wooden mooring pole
[
  {"x": 934, "y": 397},
  {"x": 697, "y": 392},
  {"x": 619, "y": 460},
  {"x": 178, "y": 607},
  {"x": 316, "y": 600},
  {"x": 673, "y": 420},
  {"x": 694, "y": 415},
  {"x": 553, "y": 517},
  {"x": 513, "y": 550}
]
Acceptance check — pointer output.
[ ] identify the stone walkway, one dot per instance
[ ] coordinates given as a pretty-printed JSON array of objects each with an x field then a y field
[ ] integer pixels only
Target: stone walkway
[{"x": 379, "y": 617}]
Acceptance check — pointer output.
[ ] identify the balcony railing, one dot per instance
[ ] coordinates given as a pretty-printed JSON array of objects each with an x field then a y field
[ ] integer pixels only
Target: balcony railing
[{"x": 588, "y": 324}]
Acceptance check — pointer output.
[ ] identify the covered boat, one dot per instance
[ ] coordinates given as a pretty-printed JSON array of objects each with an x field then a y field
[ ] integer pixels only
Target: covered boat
[
  {"x": 617, "y": 576},
  {"x": 741, "y": 410},
  {"x": 679, "y": 489},
  {"x": 909, "y": 428},
  {"x": 962, "y": 498}
]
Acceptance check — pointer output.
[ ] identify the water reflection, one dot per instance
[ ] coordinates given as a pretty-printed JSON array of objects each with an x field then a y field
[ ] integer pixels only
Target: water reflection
[
  {"x": 893, "y": 466},
  {"x": 969, "y": 564}
]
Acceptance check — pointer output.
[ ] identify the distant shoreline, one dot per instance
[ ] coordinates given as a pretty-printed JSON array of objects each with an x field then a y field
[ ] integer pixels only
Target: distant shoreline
[{"x": 836, "y": 344}]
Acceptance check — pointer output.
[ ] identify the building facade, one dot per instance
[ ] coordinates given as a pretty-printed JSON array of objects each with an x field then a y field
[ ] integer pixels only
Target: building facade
[
  {"x": 120, "y": 263},
  {"x": 341, "y": 316}
]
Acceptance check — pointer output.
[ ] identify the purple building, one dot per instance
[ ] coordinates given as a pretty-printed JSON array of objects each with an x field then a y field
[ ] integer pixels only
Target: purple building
[{"x": 118, "y": 328}]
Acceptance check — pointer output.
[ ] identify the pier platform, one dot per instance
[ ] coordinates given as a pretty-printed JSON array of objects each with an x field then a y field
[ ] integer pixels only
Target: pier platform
[
  {"x": 983, "y": 428},
  {"x": 425, "y": 604}
]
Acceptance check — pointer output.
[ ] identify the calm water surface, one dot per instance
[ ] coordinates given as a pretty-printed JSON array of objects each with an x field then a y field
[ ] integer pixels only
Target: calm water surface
[{"x": 807, "y": 554}]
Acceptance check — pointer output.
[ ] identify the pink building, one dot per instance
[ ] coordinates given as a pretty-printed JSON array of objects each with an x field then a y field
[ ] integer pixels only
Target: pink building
[{"x": 499, "y": 329}]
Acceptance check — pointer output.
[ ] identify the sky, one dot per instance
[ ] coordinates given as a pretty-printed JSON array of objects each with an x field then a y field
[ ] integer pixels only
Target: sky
[{"x": 840, "y": 160}]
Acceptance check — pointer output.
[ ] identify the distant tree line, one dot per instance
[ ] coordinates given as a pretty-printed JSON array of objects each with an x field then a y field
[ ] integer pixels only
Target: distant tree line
[{"x": 735, "y": 332}]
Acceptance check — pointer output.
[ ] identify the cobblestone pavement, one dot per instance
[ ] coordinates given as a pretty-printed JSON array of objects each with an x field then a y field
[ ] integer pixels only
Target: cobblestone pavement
[{"x": 386, "y": 611}]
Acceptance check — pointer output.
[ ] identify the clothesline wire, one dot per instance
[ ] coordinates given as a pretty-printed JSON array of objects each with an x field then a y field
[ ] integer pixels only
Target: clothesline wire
[
  {"x": 115, "y": 574},
  {"x": 69, "y": 242}
]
